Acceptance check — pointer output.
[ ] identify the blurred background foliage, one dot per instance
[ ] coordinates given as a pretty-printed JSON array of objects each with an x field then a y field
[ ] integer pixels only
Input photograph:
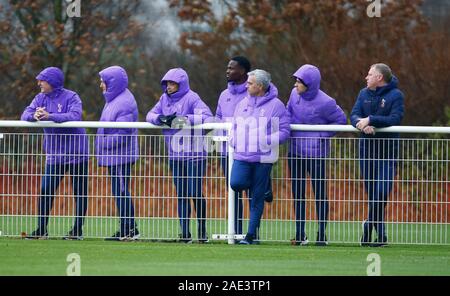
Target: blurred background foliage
[{"x": 276, "y": 35}]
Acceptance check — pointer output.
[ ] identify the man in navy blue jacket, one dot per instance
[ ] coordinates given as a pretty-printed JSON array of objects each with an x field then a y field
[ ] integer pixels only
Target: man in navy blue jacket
[{"x": 378, "y": 105}]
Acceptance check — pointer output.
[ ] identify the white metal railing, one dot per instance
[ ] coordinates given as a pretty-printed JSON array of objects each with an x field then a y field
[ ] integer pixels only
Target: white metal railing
[
  {"x": 416, "y": 212},
  {"x": 216, "y": 125}
]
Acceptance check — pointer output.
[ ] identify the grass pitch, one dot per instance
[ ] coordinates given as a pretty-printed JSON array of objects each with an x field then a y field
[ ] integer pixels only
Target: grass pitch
[{"x": 49, "y": 257}]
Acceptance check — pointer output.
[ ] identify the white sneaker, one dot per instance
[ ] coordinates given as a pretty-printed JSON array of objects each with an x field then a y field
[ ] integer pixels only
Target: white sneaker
[{"x": 304, "y": 241}]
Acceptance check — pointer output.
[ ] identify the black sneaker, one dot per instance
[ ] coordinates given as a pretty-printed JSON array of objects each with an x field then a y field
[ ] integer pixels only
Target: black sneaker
[
  {"x": 133, "y": 234},
  {"x": 268, "y": 196},
  {"x": 73, "y": 235},
  {"x": 248, "y": 240},
  {"x": 203, "y": 241},
  {"x": 379, "y": 242},
  {"x": 38, "y": 234},
  {"x": 321, "y": 241},
  {"x": 185, "y": 239},
  {"x": 116, "y": 237}
]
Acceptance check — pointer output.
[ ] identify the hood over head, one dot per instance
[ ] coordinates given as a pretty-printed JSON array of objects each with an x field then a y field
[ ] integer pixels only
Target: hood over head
[
  {"x": 179, "y": 76},
  {"x": 116, "y": 80},
  {"x": 53, "y": 76},
  {"x": 310, "y": 75}
]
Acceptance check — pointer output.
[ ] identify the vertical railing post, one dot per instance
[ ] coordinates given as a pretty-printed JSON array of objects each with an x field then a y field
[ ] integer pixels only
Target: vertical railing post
[{"x": 231, "y": 205}]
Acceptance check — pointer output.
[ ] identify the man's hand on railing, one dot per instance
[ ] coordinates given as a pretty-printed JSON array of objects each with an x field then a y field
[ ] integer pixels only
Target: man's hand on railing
[
  {"x": 363, "y": 123},
  {"x": 179, "y": 122},
  {"x": 369, "y": 130},
  {"x": 167, "y": 119},
  {"x": 40, "y": 114}
]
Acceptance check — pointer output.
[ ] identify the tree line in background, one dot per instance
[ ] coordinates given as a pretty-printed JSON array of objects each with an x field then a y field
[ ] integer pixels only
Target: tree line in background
[{"x": 276, "y": 35}]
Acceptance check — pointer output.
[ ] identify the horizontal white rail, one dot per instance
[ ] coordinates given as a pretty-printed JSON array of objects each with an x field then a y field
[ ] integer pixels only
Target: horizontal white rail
[
  {"x": 221, "y": 125},
  {"x": 391, "y": 129},
  {"x": 103, "y": 124}
]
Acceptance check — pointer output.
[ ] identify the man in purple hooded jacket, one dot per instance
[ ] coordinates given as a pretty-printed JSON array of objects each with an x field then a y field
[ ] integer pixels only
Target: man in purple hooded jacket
[
  {"x": 179, "y": 106},
  {"x": 237, "y": 70},
  {"x": 117, "y": 148},
  {"x": 308, "y": 150},
  {"x": 261, "y": 124},
  {"x": 66, "y": 149}
]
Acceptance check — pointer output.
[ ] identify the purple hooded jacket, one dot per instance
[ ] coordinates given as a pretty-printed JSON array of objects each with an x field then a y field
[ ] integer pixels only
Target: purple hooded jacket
[
  {"x": 61, "y": 145},
  {"x": 260, "y": 125},
  {"x": 312, "y": 107},
  {"x": 228, "y": 100},
  {"x": 117, "y": 146},
  {"x": 183, "y": 144}
]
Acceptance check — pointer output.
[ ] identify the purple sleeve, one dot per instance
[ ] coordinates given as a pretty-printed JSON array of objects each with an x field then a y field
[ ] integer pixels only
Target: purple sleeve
[
  {"x": 200, "y": 112},
  {"x": 284, "y": 124},
  {"x": 333, "y": 114},
  {"x": 219, "y": 112},
  {"x": 74, "y": 111},
  {"x": 289, "y": 106},
  {"x": 29, "y": 111},
  {"x": 154, "y": 113}
]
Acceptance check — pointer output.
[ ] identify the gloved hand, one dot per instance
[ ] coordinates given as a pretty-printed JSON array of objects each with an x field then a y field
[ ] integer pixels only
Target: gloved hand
[
  {"x": 167, "y": 119},
  {"x": 179, "y": 122}
]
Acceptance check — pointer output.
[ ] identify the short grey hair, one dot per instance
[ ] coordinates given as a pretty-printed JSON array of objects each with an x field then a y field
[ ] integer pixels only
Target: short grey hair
[
  {"x": 261, "y": 77},
  {"x": 384, "y": 70}
]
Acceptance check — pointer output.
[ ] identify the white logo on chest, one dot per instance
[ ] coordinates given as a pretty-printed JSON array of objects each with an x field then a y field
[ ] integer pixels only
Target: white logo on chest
[
  {"x": 59, "y": 108},
  {"x": 262, "y": 112}
]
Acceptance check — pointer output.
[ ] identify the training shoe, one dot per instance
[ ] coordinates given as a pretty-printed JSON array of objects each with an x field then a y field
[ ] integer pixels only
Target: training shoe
[
  {"x": 302, "y": 242},
  {"x": 245, "y": 242},
  {"x": 268, "y": 196},
  {"x": 73, "y": 235},
  {"x": 203, "y": 241},
  {"x": 321, "y": 242},
  {"x": 38, "y": 234},
  {"x": 379, "y": 243},
  {"x": 132, "y": 235},
  {"x": 116, "y": 237},
  {"x": 248, "y": 240},
  {"x": 185, "y": 239}
]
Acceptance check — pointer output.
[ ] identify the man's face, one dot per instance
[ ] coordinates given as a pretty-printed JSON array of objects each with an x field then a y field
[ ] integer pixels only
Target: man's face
[
  {"x": 373, "y": 78},
  {"x": 301, "y": 88},
  {"x": 45, "y": 87},
  {"x": 172, "y": 87},
  {"x": 253, "y": 88},
  {"x": 234, "y": 71},
  {"x": 103, "y": 86}
]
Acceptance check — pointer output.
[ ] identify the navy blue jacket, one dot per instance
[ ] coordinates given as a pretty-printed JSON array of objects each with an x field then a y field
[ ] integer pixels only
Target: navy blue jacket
[{"x": 384, "y": 106}]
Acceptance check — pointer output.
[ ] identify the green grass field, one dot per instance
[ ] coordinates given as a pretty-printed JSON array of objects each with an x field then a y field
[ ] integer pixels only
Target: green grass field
[{"x": 49, "y": 257}]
